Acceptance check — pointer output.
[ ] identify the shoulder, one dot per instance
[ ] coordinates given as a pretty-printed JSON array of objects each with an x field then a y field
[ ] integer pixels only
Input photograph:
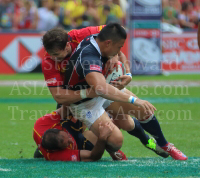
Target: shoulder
[
  {"x": 93, "y": 46},
  {"x": 89, "y": 51},
  {"x": 71, "y": 32}
]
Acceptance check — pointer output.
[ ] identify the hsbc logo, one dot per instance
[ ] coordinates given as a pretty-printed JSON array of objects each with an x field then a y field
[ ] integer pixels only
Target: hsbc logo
[
  {"x": 23, "y": 53},
  {"x": 192, "y": 44},
  {"x": 173, "y": 44}
]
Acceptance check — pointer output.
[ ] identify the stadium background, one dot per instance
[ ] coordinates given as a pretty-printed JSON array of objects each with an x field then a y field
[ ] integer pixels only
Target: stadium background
[{"x": 24, "y": 96}]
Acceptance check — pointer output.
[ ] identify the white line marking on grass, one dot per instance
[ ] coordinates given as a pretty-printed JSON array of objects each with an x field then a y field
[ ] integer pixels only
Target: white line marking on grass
[
  {"x": 5, "y": 170},
  {"x": 42, "y": 83},
  {"x": 114, "y": 165}
]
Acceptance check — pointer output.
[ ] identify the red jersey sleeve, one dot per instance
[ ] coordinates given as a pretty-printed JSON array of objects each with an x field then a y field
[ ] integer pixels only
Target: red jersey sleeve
[
  {"x": 52, "y": 75},
  {"x": 79, "y": 35},
  {"x": 63, "y": 155}
]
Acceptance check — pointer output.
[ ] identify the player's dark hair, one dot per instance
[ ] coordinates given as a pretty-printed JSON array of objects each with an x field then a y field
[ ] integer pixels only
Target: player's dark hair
[
  {"x": 55, "y": 39},
  {"x": 51, "y": 139},
  {"x": 112, "y": 31}
]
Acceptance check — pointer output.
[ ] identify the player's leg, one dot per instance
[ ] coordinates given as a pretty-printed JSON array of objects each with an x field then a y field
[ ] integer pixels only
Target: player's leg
[
  {"x": 117, "y": 156},
  {"x": 91, "y": 138},
  {"x": 125, "y": 122},
  {"x": 149, "y": 124},
  {"x": 133, "y": 127},
  {"x": 91, "y": 113},
  {"x": 115, "y": 141}
]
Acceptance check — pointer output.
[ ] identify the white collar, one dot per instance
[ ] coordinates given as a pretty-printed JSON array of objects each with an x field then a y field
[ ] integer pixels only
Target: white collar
[{"x": 93, "y": 41}]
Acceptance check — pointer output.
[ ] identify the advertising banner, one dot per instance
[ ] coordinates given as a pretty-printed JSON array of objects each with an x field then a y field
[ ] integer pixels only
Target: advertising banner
[
  {"x": 148, "y": 9},
  {"x": 146, "y": 47},
  {"x": 20, "y": 52},
  {"x": 180, "y": 53},
  {"x": 145, "y": 36}
]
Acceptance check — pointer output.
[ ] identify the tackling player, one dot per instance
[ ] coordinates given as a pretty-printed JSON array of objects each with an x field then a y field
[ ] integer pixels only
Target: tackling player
[{"x": 57, "y": 140}]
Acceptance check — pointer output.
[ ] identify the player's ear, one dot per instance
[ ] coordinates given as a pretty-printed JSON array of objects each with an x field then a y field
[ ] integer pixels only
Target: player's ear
[
  {"x": 108, "y": 43},
  {"x": 67, "y": 46}
]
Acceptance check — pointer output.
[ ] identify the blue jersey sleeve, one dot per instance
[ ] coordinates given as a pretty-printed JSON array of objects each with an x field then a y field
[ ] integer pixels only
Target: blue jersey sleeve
[{"x": 91, "y": 62}]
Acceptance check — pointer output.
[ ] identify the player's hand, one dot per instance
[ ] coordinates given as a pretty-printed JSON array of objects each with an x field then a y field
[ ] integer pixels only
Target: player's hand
[
  {"x": 105, "y": 130},
  {"x": 111, "y": 64},
  {"x": 148, "y": 107},
  {"x": 125, "y": 80}
]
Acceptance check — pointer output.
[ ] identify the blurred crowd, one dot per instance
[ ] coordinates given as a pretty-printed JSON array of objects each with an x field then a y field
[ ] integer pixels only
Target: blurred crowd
[
  {"x": 43, "y": 15},
  {"x": 181, "y": 13}
]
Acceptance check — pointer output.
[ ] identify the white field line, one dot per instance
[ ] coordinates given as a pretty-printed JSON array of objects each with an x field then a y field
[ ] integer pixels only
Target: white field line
[
  {"x": 5, "y": 170},
  {"x": 41, "y": 83}
]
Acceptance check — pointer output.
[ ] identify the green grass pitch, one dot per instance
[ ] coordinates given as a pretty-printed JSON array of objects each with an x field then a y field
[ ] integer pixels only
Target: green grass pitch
[{"x": 178, "y": 114}]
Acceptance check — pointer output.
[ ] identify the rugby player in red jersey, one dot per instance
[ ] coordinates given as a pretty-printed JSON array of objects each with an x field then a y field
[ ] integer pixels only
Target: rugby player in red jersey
[{"x": 57, "y": 140}]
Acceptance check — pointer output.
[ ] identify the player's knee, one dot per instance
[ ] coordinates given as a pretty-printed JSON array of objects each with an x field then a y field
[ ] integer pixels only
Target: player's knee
[
  {"x": 119, "y": 141},
  {"x": 142, "y": 114},
  {"x": 130, "y": 126},
  {"x": 127, "y": 124},
  {"x": 116, "y": 139}
]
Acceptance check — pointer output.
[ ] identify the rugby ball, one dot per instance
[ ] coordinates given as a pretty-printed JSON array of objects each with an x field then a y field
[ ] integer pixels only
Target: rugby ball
[{"x": 115, "y": 74}]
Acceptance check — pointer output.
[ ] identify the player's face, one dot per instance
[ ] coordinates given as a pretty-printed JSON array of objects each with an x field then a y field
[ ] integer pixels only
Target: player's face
[
  {"x": 66, "y": 140},
  {"x": 59, "y": 55},
  {"x": 114, "y": 48}
]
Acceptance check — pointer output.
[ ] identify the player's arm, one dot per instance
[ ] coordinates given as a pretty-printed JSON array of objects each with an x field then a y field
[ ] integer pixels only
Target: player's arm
[
  {"x": 54, "y": 82},
  {"x": 92, "y": 66},
  {"x": 79, "y": 35},
  {"x": 67, "y": 97},
  {"x": 97, "y": 81},
  {"x": 199, "y": 34},
  {"x": 98, "y": 150}
]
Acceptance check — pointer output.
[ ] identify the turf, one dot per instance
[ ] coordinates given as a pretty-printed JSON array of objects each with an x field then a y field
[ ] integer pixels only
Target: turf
[
  {"x": 39, "y": 76},
  {"x": 134, "y": 167}
]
